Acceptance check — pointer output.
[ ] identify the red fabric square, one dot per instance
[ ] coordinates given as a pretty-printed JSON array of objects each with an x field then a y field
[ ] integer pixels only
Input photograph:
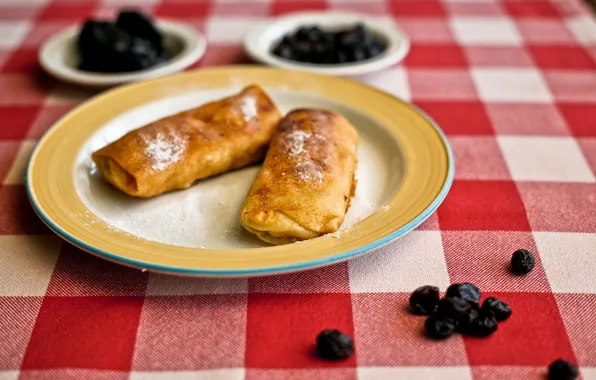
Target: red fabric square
[
  {"x": 40, "y": 31},
  {"x": 579, "y": 315},
  {"x": 478, "y": 158},
  {"x": 518, "y": 8},
  {"x": 16, "y": 121},
  {"x": 46, "y": 117},
  {"x": 453, "y": 84},
  {"x": 185, "y": 10},
  {"x": 474, "y": 9},
  {"x": 279, "y": 7},
  {"x": 75, "y": 11},
  {"x": 459, "y": 118},
  {"x": 110, "y": 11},
  {"x": 483, "y": 205},
  {"x": 17, "y": 318},
  {"x": 427, "y": 30},
  {"x": 22, "y": 89},
  {"x": 16, "y": 215},
  {"x": 435, "y": 56},
  {"x": 387, "y": 334},
  {"x": 22, "y": 60},
  {"x": 572, "y": 8},
  {"x": 301, "y": 374},
  {"x": 526, "y": 119},
  {"x": 430, "y": 224},
  {"x": 483, "y": 257},
  {"x": 489, "y": 372},
  {"x": 533, "y": 335},
  {"x": 544, "y": 31},
  {"x": 223, "y": 9},
  {"x": 571, "y": 85},
  {"x": 84, "y": 332},
  {"x": 217, "y": 55},
  {"x": 409, "y": 8},
  {"x": 562, "y": 57},
  {"x": 78, "y": 273},
  {"x": 8, "y": 152},
  {"x": 580, "y": 117},
  {"x": 72, "y": 374},
  {"x": 498, "y": 56},
  {"x": 330, "y": 279},
  {"x": 560, "y": 207},
  {"x": 377, "y": 8},
  {"x": 282, "y": 328},
  {"x": 18, "y": 12},
  {"x": 178, "y": 333}
]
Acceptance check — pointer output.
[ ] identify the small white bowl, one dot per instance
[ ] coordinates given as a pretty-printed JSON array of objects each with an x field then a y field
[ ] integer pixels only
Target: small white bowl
[
  {"x": 259, "y": 41},
  {"x": 58, "y": 56}
]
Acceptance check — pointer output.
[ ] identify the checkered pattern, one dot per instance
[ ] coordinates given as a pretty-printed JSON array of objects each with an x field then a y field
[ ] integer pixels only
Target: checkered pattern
[{"x": 513, "y": 85}]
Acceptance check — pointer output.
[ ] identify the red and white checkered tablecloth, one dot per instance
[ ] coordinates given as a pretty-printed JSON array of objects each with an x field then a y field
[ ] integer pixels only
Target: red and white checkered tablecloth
[{"x": 513, "y": 85}]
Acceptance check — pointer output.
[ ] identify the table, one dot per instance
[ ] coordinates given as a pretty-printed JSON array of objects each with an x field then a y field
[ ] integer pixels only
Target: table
[{"x": 513, "y": 85}]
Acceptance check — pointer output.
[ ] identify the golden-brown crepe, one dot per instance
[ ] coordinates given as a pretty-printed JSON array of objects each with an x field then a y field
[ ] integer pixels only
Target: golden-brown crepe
[
  {"x": 307, "y": 180},
  {"x": 175, "y": 151}
]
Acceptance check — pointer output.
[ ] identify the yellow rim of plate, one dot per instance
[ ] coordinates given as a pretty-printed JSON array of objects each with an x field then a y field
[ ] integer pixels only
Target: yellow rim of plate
[{"x": 428, "y": 173}]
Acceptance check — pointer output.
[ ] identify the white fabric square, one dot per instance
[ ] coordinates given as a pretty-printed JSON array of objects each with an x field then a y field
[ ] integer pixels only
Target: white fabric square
[
  {"x": 212, "y": 374},
  {"x": 557, "y": 159},
  {"x": 588, "y": 373},
  {"x": 12, "y": 33},
  {"x": 229, "y": 30},
  {"x": 428, "y": 373},
  {"x": 161, "y": 285},
  {"x": 485, "y": 31},
  {"x": 9, "y": 375},
  {"x": 27, "y": 262},
  {"x": 583, "y": 28},
  {"x": 16, "y": 175},
  {"x": 416, "y": 259},
  {"x": 568, "y": 260},
  {"x": 510, "y": 85},
  {"x": 393, "y": 81}
]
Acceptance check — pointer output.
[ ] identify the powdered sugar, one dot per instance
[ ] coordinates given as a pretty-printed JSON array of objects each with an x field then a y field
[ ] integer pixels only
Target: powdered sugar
[
  {"x": 295, "y": 142},
  {"x": 164, "y": 149},
  {"x": 249, "y": 108},
  {"x": 305, "y": 168}
]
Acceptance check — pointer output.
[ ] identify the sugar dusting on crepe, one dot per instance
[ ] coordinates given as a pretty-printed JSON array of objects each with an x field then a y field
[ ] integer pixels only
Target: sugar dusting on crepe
[
  {"x": 305, "y": 168},
  {"x": 249, "y": 107},
  {"x": 164, "y": 150}
]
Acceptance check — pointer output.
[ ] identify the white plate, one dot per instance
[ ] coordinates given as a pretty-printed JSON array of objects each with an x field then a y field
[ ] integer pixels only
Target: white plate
[
  {"x": 58, "y": 56},
  {"x": 259, "y": 41},
  {"x": 206, "y": 216}
]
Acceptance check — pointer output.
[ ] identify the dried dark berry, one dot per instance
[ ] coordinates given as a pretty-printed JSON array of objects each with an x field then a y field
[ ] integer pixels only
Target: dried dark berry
[
  {"x": 139, "y": 25},
  {"x": 501, "y": 309},
  {"x": 314, "y": 45},
  {"x": 332, "y": 344},
  {"x": 562, "y": 370},
  {"x": 424, "y": 299},
  {"x": 522, "y": 261},
  {"x": 465, "y": 291},
  {"x": 478, "y": 322},
  {"x": 439, "y": 327},
  {"x": 453, "y": 307}
]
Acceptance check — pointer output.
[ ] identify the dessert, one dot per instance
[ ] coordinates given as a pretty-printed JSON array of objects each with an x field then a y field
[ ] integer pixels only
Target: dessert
[
  {"x": 173, "y": 152},
  {"x": 305, "y": 185}
]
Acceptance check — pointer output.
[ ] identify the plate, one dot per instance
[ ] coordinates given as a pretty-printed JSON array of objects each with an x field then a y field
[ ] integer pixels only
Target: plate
[
  {"x": 404, "y": 172},
  {"x": 58, "y": 56},
  {"x": 259, "y": 40}
]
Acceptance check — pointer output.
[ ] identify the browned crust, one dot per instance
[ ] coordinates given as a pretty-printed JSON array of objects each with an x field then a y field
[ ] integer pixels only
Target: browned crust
[
  {"x": 207, "y": 140},
  {"x": 307, "y": 180}
]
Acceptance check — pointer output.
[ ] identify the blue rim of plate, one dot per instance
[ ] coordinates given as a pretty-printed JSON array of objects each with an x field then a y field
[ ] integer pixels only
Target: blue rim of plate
[{"x": 280, "y": 269}]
